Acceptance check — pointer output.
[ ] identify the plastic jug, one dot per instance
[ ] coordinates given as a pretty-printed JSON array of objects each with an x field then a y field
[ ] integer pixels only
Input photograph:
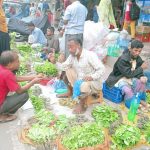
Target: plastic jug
[{"x": 133, "y": 108}]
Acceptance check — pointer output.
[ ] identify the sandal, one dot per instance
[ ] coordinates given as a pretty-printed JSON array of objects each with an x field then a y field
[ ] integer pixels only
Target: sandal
[{"x": 7, "y": 118}]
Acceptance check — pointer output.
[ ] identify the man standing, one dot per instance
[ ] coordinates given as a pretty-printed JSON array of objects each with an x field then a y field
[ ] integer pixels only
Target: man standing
[
  {"x": 74, "y": 19},
  {"x": 36, "y": 38},
  {"x": 81, "y": 65},
  {"x": 4, "y": 36}
]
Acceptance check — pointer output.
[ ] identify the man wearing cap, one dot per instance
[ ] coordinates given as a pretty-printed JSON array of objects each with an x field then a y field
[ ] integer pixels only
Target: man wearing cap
[{"x": 36, "y": 38}]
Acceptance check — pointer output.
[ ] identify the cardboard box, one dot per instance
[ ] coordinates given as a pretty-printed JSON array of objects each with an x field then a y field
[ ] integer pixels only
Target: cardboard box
[{"x": 142, "y": 29}]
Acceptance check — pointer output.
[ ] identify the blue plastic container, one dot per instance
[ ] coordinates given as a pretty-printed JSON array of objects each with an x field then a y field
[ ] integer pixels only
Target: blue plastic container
[{"x": 113, "y": 94}]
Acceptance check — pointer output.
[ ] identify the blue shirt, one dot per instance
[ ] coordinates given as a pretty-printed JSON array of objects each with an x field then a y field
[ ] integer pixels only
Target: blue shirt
[
  {"x": 75, "y": 14},
  {"x": 39, "y": 36}
]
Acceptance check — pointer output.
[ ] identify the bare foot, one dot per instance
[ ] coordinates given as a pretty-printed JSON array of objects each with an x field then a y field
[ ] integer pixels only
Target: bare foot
[
  {"x": 7, "y": 117},
  {"x": 79, "y": 109}
]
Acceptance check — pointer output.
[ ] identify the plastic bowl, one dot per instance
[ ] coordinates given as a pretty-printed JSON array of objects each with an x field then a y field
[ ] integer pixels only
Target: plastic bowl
[{"x": 61, "y": 91}]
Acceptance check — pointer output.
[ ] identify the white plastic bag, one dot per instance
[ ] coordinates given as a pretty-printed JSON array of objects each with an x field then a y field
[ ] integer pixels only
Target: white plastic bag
[{"x": 94, "y": 33}]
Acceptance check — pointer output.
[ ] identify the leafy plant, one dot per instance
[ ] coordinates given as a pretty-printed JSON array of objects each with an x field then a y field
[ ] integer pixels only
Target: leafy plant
[
  {"x": 47, "y": 68},
  {"x": 41, "y": 133},
  {"x": 22, "y": 69},
  {"x": 104, "y": 115},
  {"x": 45, "y": 117},
  {"x": 24, "y": 48},
  {"x": 37, "y": 103},
  {"x": 12, "y": 41},
  {"x": 125, "y": 136},
  {"x": 89, "y": 134},
  {"x": 61, "y": 123},
  {"x": 148, "y": 98}
]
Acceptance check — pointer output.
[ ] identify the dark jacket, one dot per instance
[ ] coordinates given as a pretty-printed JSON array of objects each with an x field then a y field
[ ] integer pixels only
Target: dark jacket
[{"x": 122, "y": 68}]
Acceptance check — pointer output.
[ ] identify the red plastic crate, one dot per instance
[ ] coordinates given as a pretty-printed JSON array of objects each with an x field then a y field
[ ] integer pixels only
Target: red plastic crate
[{"x": 143, "y": 37}]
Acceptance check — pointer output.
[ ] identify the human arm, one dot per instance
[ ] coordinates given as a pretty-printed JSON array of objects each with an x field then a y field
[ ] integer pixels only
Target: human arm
[
  {"x": 67, "y": 16},
  {"x": 28, "y": 85},
  {"x": 27, "y": 78},
  {"x": 125, "y": 66},
  {"x": 98, "y": 67},
  {"x": 61, "y": 66}
]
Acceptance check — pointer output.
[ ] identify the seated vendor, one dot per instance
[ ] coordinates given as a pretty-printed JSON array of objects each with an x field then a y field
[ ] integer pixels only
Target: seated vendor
[
  {"x": 9, "y": 62},
  {"x": 128, "y": 74},
  {"x": 84, "y": 65},
  {"x": 52, "y": 40},
  {"x": 37, "y": 37}
]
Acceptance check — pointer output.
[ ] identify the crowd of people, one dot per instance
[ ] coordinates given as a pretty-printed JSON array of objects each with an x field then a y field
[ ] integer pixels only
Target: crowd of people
[{"x": 75, "y": 62}]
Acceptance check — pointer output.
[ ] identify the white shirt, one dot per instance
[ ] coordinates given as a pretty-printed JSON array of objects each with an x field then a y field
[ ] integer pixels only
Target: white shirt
[
  {"x": 87, "y": 65},
  {"x": 75, "y": 14}
]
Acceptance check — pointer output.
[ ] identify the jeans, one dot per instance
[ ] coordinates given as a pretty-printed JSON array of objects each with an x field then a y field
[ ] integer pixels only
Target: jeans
[
  {"x": 13, "y": 103},
  {"x": 147, "y": 74}
]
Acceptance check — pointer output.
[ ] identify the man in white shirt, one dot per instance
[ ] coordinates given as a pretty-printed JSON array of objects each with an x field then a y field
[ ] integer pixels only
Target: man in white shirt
[
  {"x": 82, "y": 65},
  {"x": 74, "y": 19}
]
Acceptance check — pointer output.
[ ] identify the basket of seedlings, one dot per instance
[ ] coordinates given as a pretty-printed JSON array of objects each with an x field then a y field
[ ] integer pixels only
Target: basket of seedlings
[
  {"x": 125, "y": 137},
  {"x": 88, "y": 136},
  {"x": 105, "y": 115}
]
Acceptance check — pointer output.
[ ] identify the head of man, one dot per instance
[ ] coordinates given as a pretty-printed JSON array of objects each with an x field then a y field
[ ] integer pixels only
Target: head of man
[
  {"x": 31, "y": 26},
  {"x": 136, "y": 48},
  {"x": 75, "y": 46},
  {"x": 10, "y": 60},
  {"x": 50, "y": 31}
]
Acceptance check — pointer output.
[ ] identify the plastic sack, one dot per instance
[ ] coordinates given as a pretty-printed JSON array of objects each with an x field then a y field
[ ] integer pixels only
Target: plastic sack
[
  {"x": 59, "y": 84},
  {"x": 112, "y": 36},
  {"x": 94, "y": 36},
  {"x": 100, "y": 50},
  {"x": 113, "y": 50},
  {"x": 76, "y": 89},
  {"x": 123, "y": 39},
  {"x": 123, "y": 43}
]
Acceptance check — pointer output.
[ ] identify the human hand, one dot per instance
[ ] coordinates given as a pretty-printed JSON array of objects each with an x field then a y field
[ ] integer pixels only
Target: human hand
[
  {"x": 143, "y": 79},
  {"x": 61, "y": 58},
  {"x": 36, "y": 80},
  {"x": 51, "y": 58},
  {"x": 144, "y": 65},
  {"x": 88, "y": 78}
]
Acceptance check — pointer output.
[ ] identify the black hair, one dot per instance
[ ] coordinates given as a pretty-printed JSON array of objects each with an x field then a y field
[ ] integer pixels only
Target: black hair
[
  {"x": 7, "y": 57},
  {"x": 77, "y": 40},
  {"x": 31, "y": 24},
  {"x": 52, "y": 29},
  {"x": 136, "y": 44}
]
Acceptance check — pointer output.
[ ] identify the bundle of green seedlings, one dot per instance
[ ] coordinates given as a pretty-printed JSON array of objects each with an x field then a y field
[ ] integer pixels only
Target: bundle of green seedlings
[
  {"x": 45, "y": 117},
  {"x": 24, "y": 48},
  {"x": 82, "y": 136},
  {"x": 22, "y": 69},
  {"x": 143, "y": 124},
  {"x": 37, "y": 102},
  {"x": 47, "y": 68},
  {"x": 41, "y": 134},
  {"x": 125, "y": 136},
  {"x": 148, "y": 98},
  {"x": 47, "y": 127},
  {"x": 105, "y": 115},
  {"x": 12, "y": 41}
]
